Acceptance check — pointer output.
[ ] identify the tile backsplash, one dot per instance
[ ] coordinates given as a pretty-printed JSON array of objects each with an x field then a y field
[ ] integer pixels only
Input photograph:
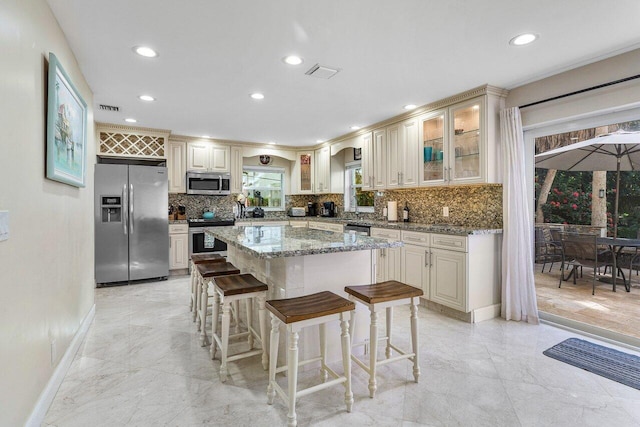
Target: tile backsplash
[{"x": 476, "y": 206}]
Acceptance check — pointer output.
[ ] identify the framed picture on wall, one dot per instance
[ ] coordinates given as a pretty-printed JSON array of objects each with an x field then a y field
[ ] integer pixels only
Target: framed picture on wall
[
  {"x": 357, "y": 154},
  {"x": 66, "y": 128}
]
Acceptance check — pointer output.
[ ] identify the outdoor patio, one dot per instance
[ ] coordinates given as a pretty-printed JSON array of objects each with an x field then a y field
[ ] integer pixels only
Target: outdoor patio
[{"x": 616, "y": 311}]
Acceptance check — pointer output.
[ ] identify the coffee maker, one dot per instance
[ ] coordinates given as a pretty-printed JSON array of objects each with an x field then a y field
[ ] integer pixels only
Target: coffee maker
[
  {"x": 312, "y": 209},
  {"x": 328, "y": 209}
]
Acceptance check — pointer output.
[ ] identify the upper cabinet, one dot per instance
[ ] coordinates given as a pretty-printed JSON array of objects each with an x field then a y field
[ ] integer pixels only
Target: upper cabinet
[
  {"x": 323, "y": 170},
  {"x": 176, "y": 162},
  {"x": 402, "y": 150},
  {"x": 208, "y": 157},
  {"x": 236, "y": 169},
  {"x": 303, "y": 174},
  {"x": 367, "y": 161},
  {"x": 379, "y": 159},
  {"x": 459, "y": 143}
]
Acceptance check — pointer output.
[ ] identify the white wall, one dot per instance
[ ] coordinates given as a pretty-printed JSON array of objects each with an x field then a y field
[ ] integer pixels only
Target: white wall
[{"x": 46, "y": 267}]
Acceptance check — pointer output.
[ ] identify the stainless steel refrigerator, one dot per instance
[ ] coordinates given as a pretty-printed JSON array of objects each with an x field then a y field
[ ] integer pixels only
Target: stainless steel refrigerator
[{"x": 131, "y": 223}]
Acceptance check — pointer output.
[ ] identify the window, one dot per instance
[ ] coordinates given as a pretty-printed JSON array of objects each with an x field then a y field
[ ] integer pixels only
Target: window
[
  {"x": 263, "y": 187},
  {"x": 354, "y": 196}
]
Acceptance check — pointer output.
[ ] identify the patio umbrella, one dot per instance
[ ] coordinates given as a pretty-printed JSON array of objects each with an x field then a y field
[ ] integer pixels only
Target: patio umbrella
[{"x": 616, "y": 151}]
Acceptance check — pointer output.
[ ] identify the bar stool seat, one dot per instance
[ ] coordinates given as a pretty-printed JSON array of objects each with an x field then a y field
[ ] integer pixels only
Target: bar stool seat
[
  {"x": 386, "y": 295},
  {"x": 195, "y": 292},
  {"x": 295, "y": 314},
  {"x": 228, "y": 290},
  {"x": 207, "y": 272}
]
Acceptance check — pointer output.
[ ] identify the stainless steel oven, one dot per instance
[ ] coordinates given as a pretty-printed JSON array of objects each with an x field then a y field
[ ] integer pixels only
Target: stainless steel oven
[{"x": 197, "y": 236}]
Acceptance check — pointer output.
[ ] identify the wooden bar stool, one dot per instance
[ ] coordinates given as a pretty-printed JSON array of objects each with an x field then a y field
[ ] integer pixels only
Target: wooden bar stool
[
  {"x": 227, "y": 290},
  {"x": 195, "y": 292},
  {"x": 295, "y": 314},
  {"x": 386, "y": 295},
  {"x": 207, "y": 272}
]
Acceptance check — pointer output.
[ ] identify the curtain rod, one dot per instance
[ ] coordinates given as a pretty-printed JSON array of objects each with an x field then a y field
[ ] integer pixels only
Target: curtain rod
[{"x": 615, "y": 82}]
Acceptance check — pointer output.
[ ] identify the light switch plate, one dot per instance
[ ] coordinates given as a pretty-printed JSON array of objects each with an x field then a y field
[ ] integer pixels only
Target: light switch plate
[
  {"x": 4, "y": 225},
  {"x": 445, "y": 211}
]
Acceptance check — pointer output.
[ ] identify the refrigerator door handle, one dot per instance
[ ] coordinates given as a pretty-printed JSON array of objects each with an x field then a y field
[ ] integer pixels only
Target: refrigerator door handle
[
  {"x": 131, "y": 208},
  {"x": 125, "y": 219}
]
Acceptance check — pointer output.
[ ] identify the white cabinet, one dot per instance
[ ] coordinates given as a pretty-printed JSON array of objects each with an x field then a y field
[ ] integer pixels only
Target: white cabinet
[
  {"x": 298, "y": 224},
  {"x": 208, "y": 157},
  {"x": 326, "y": 226},
  {"x": 402, "y": 154},
  {"x": 367, "y": 161},
  {"x": 178, "y": 246},
  {"x": 379, "y": 158},
  {"x": 388, "y": 259},
  {"x": 415, "y": 267},
  {"x": 236, "y": 169},
  {"x": 176, "y": 166},
  {"x": 322, "y": 170},
  {"x": 302, "y": 175},
  {"x": 449, "y": 278},
  {"x": 393, "y": 162}
]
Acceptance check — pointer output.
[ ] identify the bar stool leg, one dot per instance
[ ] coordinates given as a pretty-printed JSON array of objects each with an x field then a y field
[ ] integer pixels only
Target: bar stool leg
[
  {"x": 414, "y": 337},
  {"x": 192, "y": 296},
  {"x": 196, "y": 318},
  {"x": 215, "y": 311},
  {"x": 248, "y": 303},
  {"x": 236, "y": 307},
  {"x": 204, "y": 297},
  {"x": 273, "y": 357},
  {"x": 373, "y": 352},
  {"x": 346, "y": 361},
  {"x": 292, "y": 372},
  {"x": 263, "y": 330},
  {"x": 323, "y": 352},
  {"x": 226, "y": 307},
  {"x": 389, "y": 320}
]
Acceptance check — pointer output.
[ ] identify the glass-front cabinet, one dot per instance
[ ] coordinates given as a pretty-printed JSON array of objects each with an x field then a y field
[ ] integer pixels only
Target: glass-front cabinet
[
  {"x": 304, "y": 173},
  {"x": 453, "y": 144}
]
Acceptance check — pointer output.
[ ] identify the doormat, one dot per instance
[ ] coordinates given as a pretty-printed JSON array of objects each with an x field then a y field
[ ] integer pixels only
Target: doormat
[{"x": 604, "y": 361}]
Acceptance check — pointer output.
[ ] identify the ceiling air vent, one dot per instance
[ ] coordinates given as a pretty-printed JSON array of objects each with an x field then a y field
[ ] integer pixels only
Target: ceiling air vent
[
  {"x": 109, "y": 107},
  {"x": 321, "y": 72}
]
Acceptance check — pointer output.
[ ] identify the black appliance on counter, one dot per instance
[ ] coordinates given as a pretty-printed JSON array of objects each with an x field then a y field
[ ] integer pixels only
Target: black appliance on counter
[
  {"x": 258, "y": 212},
  {"x": 328, "y": 209},
  {"x": 312, "y": 209}
]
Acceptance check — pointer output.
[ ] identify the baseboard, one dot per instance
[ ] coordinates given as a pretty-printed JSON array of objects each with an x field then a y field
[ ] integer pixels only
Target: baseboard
[
  {"x": 485, "y": 313},
  {"x": 49, "y": 393},
  {"x": 585, "y": 329}
]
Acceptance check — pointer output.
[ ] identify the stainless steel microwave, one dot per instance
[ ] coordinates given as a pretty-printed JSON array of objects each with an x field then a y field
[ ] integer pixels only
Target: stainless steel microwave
[{"x": 208, "y": 183}]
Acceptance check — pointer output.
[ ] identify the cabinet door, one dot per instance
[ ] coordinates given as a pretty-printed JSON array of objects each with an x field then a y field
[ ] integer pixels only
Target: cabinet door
[
  {"x": 236, "y": 169},
  {"x": 176, "y": 164},
  {"x": 323, "y": 170},
  {"x": 467, "y": 141},
  {"x": 393, "y": 171},
  {"x": 415, "y": 267},
  {"x": 435, "y": 138},
  {"x": 178, "y": 251},
  {"x": 379, "y": 158},
  {"x": 220, "y": 159},
  {"x": 367, "y": 161},
  {"x": 394, "y": 264},
  {"x": 448, "y": 278},
  {"x": 303, "y": 173},
  {"x": 409, "y": 153},
  {"x": 197, "y": 156}
]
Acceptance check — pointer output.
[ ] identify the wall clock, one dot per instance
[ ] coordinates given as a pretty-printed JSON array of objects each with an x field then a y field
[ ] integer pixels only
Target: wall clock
[{"x": 265, "y": 160}]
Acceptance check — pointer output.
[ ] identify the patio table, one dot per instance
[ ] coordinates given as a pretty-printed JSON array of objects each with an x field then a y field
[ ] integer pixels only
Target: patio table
[{"x": 617, "y": 245}]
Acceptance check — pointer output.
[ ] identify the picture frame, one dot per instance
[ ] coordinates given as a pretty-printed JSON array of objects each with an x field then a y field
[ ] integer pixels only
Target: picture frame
[
  {"x": 357, "y": 154},
  {"x": 66, "y": 150}
]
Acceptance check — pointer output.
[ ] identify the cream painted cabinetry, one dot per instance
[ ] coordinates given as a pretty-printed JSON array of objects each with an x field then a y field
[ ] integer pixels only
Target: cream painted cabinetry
[
  {"x": 414, "y": 260},
  {"x": 379, "y": 143},
  {"x": 402, "y": 154},
  {"x": 178, "y": 246},
  {"x": 298, "y": 224},
  {"x": 387, "y": 259},
  {"x": 367, "y": 161},
  {"x": 319, "y": 225},
  {"x": 176, "y": 166},
  {"x": 322, "y": 170},
  {"x": 303, "y": 174},
  {"x": 236, "y": 169},
  {"x": 206, "y": 156}
]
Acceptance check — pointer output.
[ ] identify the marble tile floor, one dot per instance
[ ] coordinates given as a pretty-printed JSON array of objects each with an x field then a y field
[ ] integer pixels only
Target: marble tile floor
[{"x": 141, "y": 365}]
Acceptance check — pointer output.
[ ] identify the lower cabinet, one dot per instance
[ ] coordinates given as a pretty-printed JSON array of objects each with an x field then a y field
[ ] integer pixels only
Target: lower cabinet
[
  {"x": 415, "y": 267},
  {"x": 448, "y": 278},
  {"x": 388, "y": 259},
  {"x": 178, "y": 246},
  {"x": 326, "y": 226}
]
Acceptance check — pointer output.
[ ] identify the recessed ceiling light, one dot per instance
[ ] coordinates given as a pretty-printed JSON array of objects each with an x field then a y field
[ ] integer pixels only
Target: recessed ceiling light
[
  {"x": 409, "y": 106},
  {"x": 271, "y": 143},
  {"x": 129, "y": 120},
  {"x": 148, "y": 98},
  {"x": 320, "y": 141},
  {"x": 355, "y": 127},
  {"x": 475, "y": 107},
  {"x": 145, "y": 51},
  {"x": 206, "y": 136},
  {"x": 292, "y": 60},
  {"x": 522, "y": 39},
  {"x": 257, "y": 95}
]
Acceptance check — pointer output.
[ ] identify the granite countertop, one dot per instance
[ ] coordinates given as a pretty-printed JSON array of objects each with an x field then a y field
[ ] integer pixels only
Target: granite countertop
[
  {"x": 409, "y": 226},
  {"x": 286, "y": 241}
]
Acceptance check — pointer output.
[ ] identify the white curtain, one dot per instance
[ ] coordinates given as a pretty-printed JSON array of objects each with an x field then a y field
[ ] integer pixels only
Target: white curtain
[{"x": 518, "y": 285}]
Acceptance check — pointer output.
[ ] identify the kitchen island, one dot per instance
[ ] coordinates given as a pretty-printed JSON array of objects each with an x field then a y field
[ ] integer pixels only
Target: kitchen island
[{"x": 299, "y": 261}]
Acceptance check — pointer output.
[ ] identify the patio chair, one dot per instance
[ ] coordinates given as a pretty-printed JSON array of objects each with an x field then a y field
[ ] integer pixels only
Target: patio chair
[
  {"x": 581, "y": 250},
  {"x": 547, "y": 250}
]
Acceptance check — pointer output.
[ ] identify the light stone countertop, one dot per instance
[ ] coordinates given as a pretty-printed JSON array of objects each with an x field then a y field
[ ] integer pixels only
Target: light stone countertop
[
  {"x": 286, "y": 241},
  {"x": 409, "y": 226}
]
